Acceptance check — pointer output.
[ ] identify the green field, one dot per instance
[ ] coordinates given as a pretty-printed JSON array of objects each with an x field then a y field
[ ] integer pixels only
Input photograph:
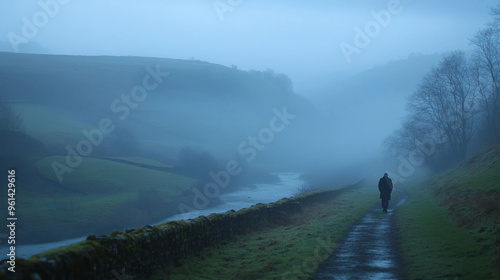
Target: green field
[
  {"x": 99, "y": 196},
  {"x": 101, "y": 176}
]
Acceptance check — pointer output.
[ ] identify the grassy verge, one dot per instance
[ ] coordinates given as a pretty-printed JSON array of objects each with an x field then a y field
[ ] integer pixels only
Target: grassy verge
[
  {"x": 434, "y": 247},
  {"x": 287, "y": 250},
  {"x": 450, "y": 226}
]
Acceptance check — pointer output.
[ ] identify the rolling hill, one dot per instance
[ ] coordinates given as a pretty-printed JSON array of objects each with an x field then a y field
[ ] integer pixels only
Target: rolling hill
[{"x": 189, "y": 103}]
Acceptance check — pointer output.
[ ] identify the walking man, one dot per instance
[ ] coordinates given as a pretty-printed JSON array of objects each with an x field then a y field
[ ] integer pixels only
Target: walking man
[{"x": 385, "y": 188}]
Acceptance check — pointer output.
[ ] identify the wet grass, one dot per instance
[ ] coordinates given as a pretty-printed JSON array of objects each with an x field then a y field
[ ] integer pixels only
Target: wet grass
[
  {"x": 434, "y": 247},
  {"x": 287, "y": 250},
  {"x": 450, "y": 226}
]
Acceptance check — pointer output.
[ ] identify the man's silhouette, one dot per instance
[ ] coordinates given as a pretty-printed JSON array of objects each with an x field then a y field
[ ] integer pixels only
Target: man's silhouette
[{"x": 385, "y": 188}]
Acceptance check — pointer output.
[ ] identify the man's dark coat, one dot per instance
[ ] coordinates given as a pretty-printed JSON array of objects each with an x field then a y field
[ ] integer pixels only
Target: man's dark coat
[{"x": 385, "y": 188}]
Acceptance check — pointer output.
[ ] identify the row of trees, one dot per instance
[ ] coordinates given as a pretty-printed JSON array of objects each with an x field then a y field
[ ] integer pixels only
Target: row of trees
[{"x": 455, "y": 110}]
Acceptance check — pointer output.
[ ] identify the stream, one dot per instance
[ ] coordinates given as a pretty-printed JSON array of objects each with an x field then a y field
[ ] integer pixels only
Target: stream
[{"x": 242, "y": 198}]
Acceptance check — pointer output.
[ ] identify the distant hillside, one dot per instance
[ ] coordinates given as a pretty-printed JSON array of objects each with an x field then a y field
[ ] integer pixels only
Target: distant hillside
[
  {"x": 369, "y": 105},
  {"x": 390, "y": 80},
  {"x": 193, "y": 103},
  {"x": 77, "y": 80}
]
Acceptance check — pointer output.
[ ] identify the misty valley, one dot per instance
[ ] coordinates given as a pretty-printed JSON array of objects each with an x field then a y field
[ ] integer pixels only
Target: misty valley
[
  {"x": 101, "y": 153},
  {"x": 153, "y": 141}
]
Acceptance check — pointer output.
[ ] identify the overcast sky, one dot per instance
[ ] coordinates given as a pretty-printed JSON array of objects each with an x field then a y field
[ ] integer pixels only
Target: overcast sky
[{"x": 300, "y": 38}]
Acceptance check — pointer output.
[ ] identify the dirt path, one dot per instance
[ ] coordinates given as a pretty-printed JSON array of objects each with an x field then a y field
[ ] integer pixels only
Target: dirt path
[{"x": 369, "y": 251}]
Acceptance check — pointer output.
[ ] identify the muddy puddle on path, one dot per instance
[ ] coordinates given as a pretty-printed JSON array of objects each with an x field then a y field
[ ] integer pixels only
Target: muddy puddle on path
[{"x": 369, "y": 250}]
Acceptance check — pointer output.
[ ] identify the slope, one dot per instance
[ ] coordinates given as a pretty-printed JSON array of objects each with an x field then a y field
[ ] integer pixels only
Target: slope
[{"x": 451, "y": 225}]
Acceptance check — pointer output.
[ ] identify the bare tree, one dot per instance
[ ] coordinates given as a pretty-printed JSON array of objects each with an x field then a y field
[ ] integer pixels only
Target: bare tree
[
  {"x": 487, "y": 75},
  {"x": 495, "y": 12},
  {"x": 444, "y": 104}
]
